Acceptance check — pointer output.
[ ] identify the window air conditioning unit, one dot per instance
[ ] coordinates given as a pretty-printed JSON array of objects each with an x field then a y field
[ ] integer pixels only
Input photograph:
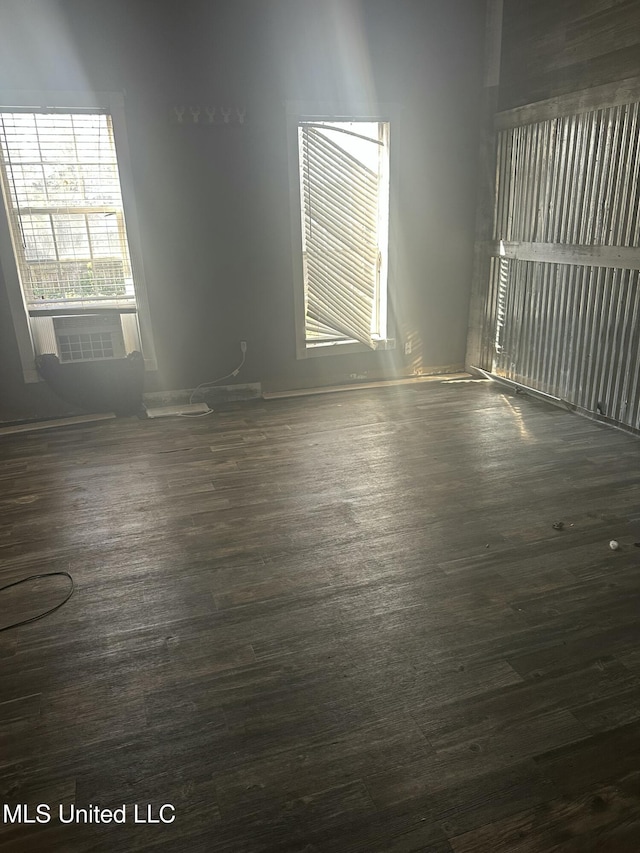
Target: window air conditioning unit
[{"x": 89, "y": 337}]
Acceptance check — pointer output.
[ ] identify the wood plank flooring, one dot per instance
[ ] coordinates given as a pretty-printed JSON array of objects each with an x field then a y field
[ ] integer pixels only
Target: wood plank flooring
[{"x": 337, "y": 623}]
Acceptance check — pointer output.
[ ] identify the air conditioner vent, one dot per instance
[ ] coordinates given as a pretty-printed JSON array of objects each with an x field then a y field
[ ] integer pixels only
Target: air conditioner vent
[{"x": 89, "y": 337}]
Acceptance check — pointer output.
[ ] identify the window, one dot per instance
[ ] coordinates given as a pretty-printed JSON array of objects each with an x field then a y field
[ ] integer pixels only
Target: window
[
  {"x": 343, "y": 236},
  {"x": 72, "y": 245}
]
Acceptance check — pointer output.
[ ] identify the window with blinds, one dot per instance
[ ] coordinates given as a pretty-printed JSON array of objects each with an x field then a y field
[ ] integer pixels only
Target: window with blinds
[
  {"x": 344, "y": 199},
  {"x": 63, "y": 200}
]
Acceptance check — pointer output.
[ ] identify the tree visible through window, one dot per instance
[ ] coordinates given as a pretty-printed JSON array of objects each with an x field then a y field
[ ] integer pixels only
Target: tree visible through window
[
  {"x": 344, "y": 202},
  {"x": 63, "y": 199}
]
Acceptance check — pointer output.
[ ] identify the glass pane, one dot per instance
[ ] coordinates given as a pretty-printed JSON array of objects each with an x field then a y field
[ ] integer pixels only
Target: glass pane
[
  {"x": 38, "y": 238},
  {"x": 105, "y": 236},
  {"x": 101, "y": 185},
  {"x": 21, "y": 138},
  {"x": 64, "y": 186},
  {"x": 71, "y": 236},
  {"x": 55, "y": 138},
  {"x": 27, "y": 186},
  {"x": 365, "y": 151}
]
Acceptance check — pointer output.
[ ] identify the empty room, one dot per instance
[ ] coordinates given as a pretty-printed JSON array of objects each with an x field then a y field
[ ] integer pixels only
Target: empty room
[{"x": 320, "y": 426}]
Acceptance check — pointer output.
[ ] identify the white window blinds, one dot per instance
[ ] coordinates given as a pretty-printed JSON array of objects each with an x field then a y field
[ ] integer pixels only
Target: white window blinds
[
  {"x": 342, "y": 171},
  {"x": 62, "y": 193}
]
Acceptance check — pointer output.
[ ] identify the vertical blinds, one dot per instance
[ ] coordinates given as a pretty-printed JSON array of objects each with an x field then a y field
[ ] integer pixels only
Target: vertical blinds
[
  {"x": 340, "y": 238},
  {"x": 62, "y": 193}
]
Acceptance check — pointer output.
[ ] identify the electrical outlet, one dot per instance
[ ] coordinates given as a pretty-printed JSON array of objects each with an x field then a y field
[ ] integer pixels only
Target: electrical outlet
[
  {"x": 243, "y": 346},
  {"x": 407, "y": 348}
]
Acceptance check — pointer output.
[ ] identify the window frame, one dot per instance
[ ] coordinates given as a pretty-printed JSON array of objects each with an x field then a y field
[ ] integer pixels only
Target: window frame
[
  {"x": 297, "y": 112},
  {"x": 112, "y": 103}
]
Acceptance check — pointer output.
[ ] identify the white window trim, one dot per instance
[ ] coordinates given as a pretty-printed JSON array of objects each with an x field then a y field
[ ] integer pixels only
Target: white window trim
[
  {"x": 297, "y": 111},
  {"x": 113, "y": 102}
]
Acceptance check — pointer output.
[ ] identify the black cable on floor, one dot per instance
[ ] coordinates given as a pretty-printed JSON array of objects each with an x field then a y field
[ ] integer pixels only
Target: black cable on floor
[{"x": 47, "y": 612}]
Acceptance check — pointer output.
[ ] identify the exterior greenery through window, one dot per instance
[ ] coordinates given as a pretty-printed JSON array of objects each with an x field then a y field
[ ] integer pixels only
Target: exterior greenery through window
[{"x": 62, "y": 193}]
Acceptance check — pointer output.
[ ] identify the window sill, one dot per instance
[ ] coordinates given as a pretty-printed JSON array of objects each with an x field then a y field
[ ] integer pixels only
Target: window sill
[
  {"x": 59, "y": 309},
  {"x": 343, "y": 348}
]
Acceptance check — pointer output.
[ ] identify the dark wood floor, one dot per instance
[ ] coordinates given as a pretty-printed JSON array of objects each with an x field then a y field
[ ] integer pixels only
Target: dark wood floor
[{"x": 337, "y": 623}]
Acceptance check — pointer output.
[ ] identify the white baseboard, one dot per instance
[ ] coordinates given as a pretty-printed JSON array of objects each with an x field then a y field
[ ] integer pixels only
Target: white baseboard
[
  {"x": 35, "y": 426},
  {"x": 363, "y": 386}
]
